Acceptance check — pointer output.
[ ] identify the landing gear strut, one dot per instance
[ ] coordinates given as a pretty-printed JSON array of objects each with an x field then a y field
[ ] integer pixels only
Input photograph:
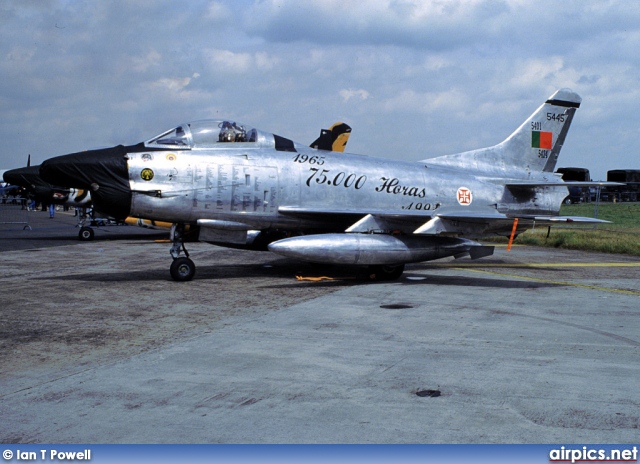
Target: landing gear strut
[
  {"x": 86, "y": 232},
  {"x": 182, "y": 268}
]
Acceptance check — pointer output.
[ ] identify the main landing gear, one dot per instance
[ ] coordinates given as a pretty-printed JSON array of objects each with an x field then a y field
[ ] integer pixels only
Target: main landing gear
[
  {"x": 182, "y": 268},
  {"x": 386, "y": 272}
]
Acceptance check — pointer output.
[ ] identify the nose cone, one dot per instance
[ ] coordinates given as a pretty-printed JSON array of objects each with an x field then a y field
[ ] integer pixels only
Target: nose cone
[
  {"x": 104, "y": 172},
  {"x": 24, "y": 177},
  {"x": 29, "y": 179}
]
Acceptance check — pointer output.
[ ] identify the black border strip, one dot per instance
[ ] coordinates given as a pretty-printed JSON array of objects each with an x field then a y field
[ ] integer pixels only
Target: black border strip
[{"x": 566, "y": 104}]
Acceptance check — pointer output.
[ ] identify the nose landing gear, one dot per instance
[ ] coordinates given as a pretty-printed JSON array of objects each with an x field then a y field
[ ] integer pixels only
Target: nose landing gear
[{"x": 182, "y": 268}]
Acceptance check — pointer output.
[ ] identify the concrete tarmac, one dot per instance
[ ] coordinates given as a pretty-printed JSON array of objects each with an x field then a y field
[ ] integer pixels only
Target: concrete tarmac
[{"x": 530, "y": 346}]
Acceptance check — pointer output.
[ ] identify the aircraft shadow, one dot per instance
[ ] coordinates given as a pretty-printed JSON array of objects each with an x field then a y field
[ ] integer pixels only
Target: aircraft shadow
[
  {"x": 221, "y": 272},
  {"x": 285, "y": 271},
  {"x": 467, "y": 281},
  {"x": 97, "y": 238}
]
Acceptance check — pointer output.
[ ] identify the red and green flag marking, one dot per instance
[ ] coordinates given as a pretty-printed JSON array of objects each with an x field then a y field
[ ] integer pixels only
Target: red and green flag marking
[{"x": 542, "y": 140}]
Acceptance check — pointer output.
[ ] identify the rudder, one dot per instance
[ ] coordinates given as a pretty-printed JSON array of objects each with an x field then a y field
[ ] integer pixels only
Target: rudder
[{"x": 549, "y": 127}]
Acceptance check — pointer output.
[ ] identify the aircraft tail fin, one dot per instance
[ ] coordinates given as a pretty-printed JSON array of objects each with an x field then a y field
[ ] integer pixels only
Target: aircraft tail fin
[
  {"x": 333, "y": 139},
  {"x": 534, "y": 146}
]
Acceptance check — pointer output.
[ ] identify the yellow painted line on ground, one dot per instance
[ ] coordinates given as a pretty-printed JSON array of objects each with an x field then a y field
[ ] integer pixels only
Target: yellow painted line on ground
[
  {"x": 526, "y": 265},
  {"x": 553, "y": 282}
]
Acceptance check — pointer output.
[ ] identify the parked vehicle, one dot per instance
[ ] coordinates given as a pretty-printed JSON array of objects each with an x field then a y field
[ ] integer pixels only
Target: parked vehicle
[
  {"x": 628, "y": 192},
  {"x": 576, "y": 194}
]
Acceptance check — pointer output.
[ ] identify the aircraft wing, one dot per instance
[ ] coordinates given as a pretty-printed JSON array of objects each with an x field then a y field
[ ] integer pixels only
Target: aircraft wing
[
  {"x": 308, "y": 212},
  {"x": 348, "y": 214},
  {"x": 562, "y": 184},
  {"x": 467, "y": 223},
  {"x": 358, "y": 220}
]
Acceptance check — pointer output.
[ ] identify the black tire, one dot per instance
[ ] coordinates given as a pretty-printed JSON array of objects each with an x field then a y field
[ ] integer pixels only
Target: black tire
[
  {"x": 386, "y": 272},
  {"x": 182, "y": 269},
  {"x": 85, "y": 234}
]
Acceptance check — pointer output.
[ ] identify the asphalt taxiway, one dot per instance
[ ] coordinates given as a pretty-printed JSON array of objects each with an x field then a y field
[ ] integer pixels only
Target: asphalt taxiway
[{"x": 98, "y": 345}]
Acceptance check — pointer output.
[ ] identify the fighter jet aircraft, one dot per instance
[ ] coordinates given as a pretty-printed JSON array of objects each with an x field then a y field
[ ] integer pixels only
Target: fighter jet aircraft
[
  {"x": 28, "y": 179},
  {"x": 6, "y": 187},
  {"x": 237, "y": 186}
]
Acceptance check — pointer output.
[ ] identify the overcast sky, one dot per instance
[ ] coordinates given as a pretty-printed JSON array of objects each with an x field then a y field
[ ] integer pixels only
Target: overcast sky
[{"x": 415, "y": 79}]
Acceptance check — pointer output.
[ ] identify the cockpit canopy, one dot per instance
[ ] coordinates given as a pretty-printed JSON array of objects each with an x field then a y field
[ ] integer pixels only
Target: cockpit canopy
[{"x": 210, "y": 133}]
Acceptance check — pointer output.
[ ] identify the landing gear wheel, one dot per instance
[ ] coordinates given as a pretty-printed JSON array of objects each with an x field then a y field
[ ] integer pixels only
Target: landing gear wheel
[
  {"x": 386, "y": 272},
  {"x": 86, "y": 234},
  {"x": 182, "y": 269}
]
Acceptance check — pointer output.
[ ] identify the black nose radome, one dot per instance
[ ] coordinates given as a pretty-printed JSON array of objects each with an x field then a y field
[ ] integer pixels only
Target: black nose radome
[
  {"x": 24, "y": 177},
  {"x": 102, "y": 171},
  {"x": 29, "y": 179}
]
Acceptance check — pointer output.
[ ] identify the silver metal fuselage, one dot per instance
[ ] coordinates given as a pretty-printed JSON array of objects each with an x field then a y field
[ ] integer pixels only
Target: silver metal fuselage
[
  {"x": 260, "y": 187},
  {"x": 251, "y": 189}
]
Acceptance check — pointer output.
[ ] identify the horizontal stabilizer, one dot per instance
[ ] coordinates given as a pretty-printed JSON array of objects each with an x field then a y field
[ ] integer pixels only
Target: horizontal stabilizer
[
  {"x": 566, "y": 219},
  {"x": 472, "y": 222}
]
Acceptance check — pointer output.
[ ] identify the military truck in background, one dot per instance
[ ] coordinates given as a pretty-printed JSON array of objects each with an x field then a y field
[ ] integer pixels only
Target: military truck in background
[
  {"x": 628, "y": 192},
  {"x": 576, "y": 194}
]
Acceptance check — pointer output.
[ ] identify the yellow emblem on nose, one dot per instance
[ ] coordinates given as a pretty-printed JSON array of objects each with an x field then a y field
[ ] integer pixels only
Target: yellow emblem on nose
[{"x": 146, "y": 174}]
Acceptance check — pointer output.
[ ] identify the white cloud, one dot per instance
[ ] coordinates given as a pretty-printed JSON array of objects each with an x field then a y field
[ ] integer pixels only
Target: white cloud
[
  {"x": 20, "y": 55},
  {"x": 226, "y": 61},
  {"x": 172, "y": 84},
  {"x": 533, "y": 71},
  {"x": 265, "y": 62},
  {"x": 409, "y": 101},
  {"x": 358, "y": 94},
  {"x": 421, "y": 24},
  {"x": 229, "y": 62},
  {"x": 218, "y": 12},
  {"x": 145, "y": 62}
]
